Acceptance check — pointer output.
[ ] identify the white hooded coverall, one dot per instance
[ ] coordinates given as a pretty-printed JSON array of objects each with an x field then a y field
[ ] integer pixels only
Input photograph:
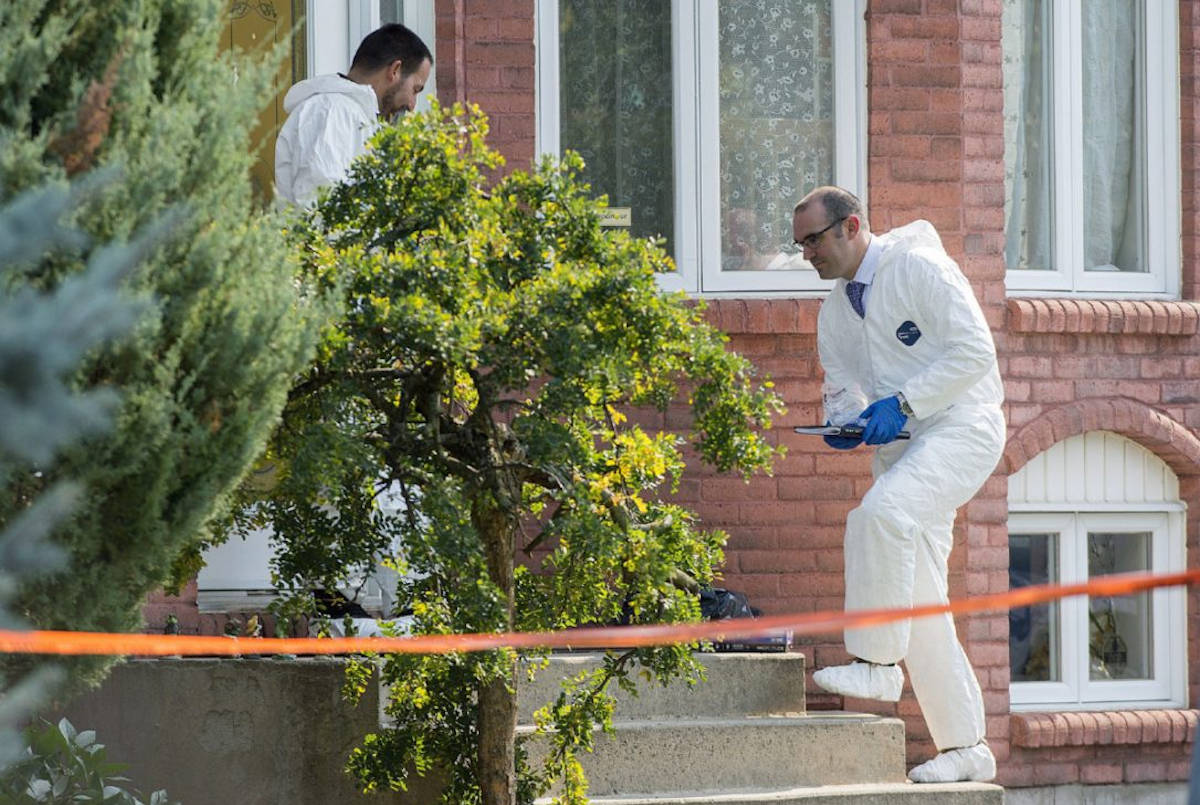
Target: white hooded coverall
[
  {"x": 924, "y": 335},
  {"x": 330, "y": 121}
]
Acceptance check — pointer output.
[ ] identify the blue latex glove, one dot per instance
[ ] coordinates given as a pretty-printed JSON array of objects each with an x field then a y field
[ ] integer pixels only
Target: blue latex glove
[
  {"x": 842, "y": 442},
  {"x": 884, "y": 421}
]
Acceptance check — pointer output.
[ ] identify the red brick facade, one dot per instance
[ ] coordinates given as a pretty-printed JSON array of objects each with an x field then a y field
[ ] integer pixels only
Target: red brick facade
[{"x": 936, "y": 151}]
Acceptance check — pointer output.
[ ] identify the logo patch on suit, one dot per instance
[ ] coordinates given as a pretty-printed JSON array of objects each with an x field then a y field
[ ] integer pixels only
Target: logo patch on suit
[{"x": 908, "y": 333}]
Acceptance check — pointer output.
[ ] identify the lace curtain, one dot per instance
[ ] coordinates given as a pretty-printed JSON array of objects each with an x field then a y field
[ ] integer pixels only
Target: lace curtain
[
  {"x": 776, "y": 123},
  {"x": 1113, "y": 181},
  {"x": 776, "y": 113}
]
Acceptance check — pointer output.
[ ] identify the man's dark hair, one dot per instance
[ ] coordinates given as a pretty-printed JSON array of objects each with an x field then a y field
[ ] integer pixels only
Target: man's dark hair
[
  {"x": 838, "y": 202},
  {"x": 388, "y": 43}
]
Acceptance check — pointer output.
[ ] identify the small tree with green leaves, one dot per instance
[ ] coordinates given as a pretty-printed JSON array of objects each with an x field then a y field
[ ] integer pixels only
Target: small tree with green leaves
[{"x": 491, "y": 343}]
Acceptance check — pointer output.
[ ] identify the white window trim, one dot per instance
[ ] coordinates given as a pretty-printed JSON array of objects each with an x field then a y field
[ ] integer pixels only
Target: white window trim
[
  {"x": 697, "y": 147},
  {"x": 1160, "y": 121},
  {"x": 335, "y": 30},
  {"x": 1077, "y": 691}
]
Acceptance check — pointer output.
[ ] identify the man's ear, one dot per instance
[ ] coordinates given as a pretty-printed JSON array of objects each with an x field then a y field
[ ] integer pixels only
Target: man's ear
[
  {"x": 395, "y": 70},
  {"x": 853, "y": 225}
]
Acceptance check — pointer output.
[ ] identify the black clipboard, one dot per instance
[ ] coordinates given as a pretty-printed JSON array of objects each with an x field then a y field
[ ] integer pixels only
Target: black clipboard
[{"x": 845, "y": 431}]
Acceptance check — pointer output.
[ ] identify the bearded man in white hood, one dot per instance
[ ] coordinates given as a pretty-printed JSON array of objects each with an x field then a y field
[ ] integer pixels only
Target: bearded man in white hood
[
  {"x": 902, "y": 337},
  {"x": 332, "y": 117}
]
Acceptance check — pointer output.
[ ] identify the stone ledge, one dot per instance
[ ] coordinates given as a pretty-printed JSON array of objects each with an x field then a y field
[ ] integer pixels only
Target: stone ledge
[
  {"x": 1150, "y": 317},
  {"x": 1041, "y": 730}
]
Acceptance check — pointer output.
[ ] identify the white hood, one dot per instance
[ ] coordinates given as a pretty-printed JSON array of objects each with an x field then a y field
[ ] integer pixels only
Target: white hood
[
  {"x": 919, "y": 234},
  {"x": 361, "y": 94},
  {"x": 330, "y": 121}
]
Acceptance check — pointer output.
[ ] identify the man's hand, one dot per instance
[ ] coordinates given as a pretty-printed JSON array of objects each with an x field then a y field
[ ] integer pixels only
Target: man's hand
[
  {"x": 843, "y": 442},
  {"x": 884, "y": 421}
]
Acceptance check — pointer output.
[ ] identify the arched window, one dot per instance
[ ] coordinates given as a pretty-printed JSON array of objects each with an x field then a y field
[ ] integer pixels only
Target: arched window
[{"x": 1094, "y": 505}]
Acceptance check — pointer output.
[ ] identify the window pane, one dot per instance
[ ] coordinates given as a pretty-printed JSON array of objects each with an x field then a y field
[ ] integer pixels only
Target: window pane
[
  {"x": 616, "y": 108},
  {"x": 1113, "y": 181},
  {"x": 1033, "y": 631},
  {"x": 391, "y": 11},
  {"x": 1028, "y": 153},
  {"x": 776, "y": 124},
  {"x": 1119, "y": 633}
]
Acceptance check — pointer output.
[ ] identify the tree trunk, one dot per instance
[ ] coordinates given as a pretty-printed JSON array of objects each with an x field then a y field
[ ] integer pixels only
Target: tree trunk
[
  {"x": 497, "y": 703},
  {"x": 497, "y": 735}
]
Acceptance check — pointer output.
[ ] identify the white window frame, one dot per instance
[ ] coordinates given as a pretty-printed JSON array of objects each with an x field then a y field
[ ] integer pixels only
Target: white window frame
[
  {"x": 1160, "y": 121},
  {"x": 694, "y": 28},
  {"x": 1076, "y": 690}
]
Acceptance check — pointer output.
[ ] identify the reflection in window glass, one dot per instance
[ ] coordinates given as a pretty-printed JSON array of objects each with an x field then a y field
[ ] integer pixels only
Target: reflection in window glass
[
  {"x": 1034, "y": 649},
  {"x": 616, "y": 107},
  {"x": 1028, "y": 152},
  {"x": 1119, "y": 633},
  {"x": 1112, "y": 136},
  {"x": 776, "y": 119}
]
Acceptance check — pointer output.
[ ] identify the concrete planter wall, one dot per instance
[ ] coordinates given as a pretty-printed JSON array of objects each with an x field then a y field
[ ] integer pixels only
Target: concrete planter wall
[{"x": 245, "y": 731}]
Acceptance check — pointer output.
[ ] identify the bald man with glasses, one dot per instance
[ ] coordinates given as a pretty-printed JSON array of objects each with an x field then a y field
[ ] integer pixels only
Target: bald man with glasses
[{"x": 904, "y": 344}]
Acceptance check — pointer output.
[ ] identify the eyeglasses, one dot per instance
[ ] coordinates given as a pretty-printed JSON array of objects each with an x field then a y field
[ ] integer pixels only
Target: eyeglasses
[{"x": 810, "y": 242}]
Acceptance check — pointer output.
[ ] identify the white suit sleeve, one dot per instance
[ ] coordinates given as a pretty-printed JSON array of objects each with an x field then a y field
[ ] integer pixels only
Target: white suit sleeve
[
  {"x": 948, "y": 304},
  {"x": 325, "y": 138}
]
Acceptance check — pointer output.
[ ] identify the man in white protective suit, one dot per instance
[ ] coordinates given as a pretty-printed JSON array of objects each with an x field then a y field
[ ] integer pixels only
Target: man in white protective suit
[
  {"x": 332, "y": 117},
  {"x": 904, "y": 345}
]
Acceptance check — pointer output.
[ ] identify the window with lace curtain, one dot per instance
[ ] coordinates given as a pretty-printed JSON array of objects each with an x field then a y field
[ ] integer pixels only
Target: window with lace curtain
[
  {"x": 1091, "y": 158},
  {"x": 705, "y": 122}
]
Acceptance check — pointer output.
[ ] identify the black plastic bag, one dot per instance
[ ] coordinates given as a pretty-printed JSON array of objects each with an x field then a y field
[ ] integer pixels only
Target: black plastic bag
[{"x": 718, "y": 604}]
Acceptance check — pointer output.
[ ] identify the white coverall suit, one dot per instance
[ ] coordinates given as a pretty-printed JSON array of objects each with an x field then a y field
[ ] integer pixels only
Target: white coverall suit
[
  {"x": 924, "y": 335},
  {"x": 330, "y": 121}
]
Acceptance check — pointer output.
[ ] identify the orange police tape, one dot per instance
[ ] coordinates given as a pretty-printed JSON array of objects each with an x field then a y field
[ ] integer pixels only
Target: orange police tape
[{"x": 146, "y": 645}]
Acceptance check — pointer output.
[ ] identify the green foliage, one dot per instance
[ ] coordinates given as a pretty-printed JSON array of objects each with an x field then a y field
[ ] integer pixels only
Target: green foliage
[
  {"x": 62, "y": 765},
  {"x": 43, "y": 337},
  {"x": 469, "y": 402},
  {"x": 140, "y": 85}
]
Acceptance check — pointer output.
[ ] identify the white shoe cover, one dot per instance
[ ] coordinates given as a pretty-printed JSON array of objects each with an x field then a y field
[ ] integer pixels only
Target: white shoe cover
[
  {"x": 862, "y": 680},
  {"x": 974, "y": 763}
]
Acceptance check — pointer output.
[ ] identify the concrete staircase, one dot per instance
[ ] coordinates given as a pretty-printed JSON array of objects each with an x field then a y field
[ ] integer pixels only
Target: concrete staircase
[{"x": 743, "y": 738}]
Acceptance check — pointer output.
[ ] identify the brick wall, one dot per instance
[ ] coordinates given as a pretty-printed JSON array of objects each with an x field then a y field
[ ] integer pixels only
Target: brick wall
[
  {"x": 486, "y": 56},
  {"x": 935, "y": 152},
  {"x": 1071, "y": 366}
]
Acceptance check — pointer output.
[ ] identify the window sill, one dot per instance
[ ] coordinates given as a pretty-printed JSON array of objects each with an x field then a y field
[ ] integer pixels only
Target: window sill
[
  {"x": 778, "y": 316},
  {"x": 1150, "y": 317},
  {"x": 1041, "y": 730}
]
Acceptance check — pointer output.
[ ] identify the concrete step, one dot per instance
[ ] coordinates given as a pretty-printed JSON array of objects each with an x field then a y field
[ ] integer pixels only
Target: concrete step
[
  {"x": 732, "y": 754},
  {"x": 738, "y": 684},
  {"x": 865, "y": 794}
]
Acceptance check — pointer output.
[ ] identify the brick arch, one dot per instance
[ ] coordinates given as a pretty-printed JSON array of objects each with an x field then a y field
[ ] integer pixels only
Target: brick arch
[{"x": 1149, "y": 427}]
